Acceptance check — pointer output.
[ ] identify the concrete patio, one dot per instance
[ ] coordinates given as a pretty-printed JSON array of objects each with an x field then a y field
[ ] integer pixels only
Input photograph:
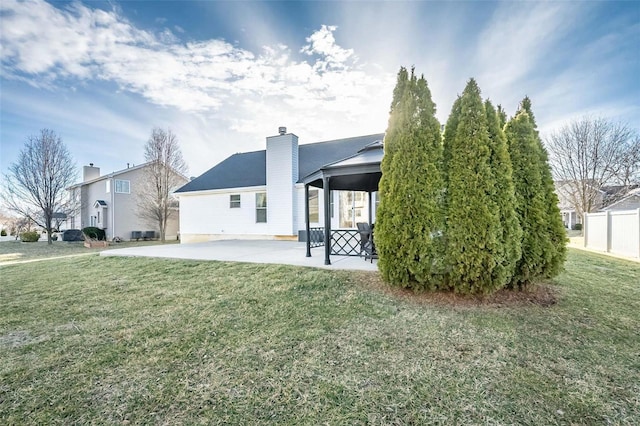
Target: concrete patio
[{"x": 252, "y": 251}]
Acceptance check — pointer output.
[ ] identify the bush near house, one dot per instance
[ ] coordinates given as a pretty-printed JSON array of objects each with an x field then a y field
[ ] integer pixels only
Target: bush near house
[
  {"x": 94, "y": 233},
  {"x": 577, "y": 227},
  {"x": 3, "y": 233},
  {"x": 29, "y": 236}
]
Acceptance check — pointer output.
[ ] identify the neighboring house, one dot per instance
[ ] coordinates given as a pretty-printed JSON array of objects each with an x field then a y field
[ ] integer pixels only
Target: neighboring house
[
  {"x": 110, "y": 202},
  {"x": 630, "y": 201},
  {"x": 605, "y": 198},
  {"x": 260, "y": 195},
  {"x": 568, "y": 197}
]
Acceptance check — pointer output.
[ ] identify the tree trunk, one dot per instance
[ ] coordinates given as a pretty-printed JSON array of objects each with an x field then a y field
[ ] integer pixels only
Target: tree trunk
[{"x": 49, "y": 240}]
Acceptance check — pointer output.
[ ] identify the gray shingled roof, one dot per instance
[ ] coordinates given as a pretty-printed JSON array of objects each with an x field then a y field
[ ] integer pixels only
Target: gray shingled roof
[{"x": 249, "y": 168}]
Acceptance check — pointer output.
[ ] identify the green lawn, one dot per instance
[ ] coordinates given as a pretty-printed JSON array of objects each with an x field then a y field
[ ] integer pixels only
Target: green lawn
[
  {"x": 11, "y": 251},
  {"x": 134, "y": 340}
]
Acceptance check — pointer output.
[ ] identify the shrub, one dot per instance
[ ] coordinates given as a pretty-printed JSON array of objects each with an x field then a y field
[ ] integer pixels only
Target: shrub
[
  {"x": 3, "y": 233},
  {"x": 577, "y": 227},
  {"x": 94, "y": 233},
  {"x": 29, "y": 236}
]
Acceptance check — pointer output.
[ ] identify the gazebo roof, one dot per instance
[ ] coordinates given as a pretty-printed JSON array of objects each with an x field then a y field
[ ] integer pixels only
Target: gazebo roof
[{"x": 360, "y": 172}]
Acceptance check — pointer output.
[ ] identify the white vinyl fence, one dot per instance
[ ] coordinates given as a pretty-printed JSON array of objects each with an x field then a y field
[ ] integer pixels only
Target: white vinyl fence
[{"x": 615, "y": 232}]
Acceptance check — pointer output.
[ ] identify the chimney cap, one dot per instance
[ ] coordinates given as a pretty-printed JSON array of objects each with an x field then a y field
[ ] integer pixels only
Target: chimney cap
[
  {"x": 282, "y": 130},
  {"x": 90, "y": 164}
]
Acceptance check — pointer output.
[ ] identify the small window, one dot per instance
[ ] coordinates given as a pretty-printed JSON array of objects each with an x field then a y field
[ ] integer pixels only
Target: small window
[
  {"x": 99, "y": 217},
  {"x": 261, "y": 207},
  {"x": 314, "y": 216},
  {"x": 234, "y": 201},
  {"x": 108, "y": 186},
  {"x": 122, "y": 187}
]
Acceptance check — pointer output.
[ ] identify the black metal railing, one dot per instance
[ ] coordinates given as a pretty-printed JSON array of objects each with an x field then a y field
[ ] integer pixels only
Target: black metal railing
[
  {"x": 345, "y": 242},
  {"x": 316, "y": 237}
]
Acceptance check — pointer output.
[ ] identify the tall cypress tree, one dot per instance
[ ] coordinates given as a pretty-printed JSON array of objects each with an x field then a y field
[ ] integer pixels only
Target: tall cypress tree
[
  {"x": 504, "y": 196},
  {"x": 502, "y": 116},
  {"x": 554, "y": 258},
  {"x": 409, "y": 216},
  {"x": 449, "y": 137},
  {"x": 472, "y": 222},
  {"x": 530, "y": 199},
  {"x": 398, "y": 119}
]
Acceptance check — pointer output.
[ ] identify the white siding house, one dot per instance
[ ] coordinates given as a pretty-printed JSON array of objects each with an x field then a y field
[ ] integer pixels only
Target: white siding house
[{"x": 259, "y": 195}]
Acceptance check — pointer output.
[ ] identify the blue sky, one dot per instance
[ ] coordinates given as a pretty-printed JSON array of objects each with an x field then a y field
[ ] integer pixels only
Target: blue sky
[{"x": 224, "y": 75}]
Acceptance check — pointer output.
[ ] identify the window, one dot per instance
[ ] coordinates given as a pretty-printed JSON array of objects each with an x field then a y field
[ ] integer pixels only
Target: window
[
  {"x": 99, "y": 216},
  {"x": 108, "y": 186},
  {"x": 234, "y": 201},
  {"x": 261, "y": 207},
  {"x": 313, "y": 206},
  {"x": 122, "y": 187}
]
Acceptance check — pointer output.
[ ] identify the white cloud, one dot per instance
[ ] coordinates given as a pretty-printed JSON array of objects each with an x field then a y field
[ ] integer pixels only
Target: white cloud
[
  {"x": 329, "y": 95},
  {"x": 43, "y": 42},
  {"x": 323, "y": 43}
]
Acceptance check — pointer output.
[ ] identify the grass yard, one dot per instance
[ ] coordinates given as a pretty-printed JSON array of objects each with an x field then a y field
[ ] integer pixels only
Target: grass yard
[
  {"x": 134, "y": 340},
  {"x": 11, "y": 251}
]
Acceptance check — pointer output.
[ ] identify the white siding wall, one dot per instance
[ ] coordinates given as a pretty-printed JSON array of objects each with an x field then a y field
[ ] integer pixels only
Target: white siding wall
[
  {"x": 282, "y": 174},
  {"x": 615, "y": 231},
  {"x": 207, "y": 216}
]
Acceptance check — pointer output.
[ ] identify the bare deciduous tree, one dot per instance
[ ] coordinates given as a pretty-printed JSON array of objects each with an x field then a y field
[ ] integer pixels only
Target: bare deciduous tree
[
  {"x": 164, "y": 175},
  {"x": 36, "y": 183},
  {"x": 591, "y": 153}
]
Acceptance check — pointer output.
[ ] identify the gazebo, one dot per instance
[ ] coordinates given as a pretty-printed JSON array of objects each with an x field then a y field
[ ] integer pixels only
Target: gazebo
[{"x": 360, "y": 172}]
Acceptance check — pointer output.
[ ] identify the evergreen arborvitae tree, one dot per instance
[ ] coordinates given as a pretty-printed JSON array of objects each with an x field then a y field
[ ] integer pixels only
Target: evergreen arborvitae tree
[
  {"x": 554, "y": 259},
  {"x": 502, "y": 116},
  {"x": 449, "y": 136},
  {"x": 472, "y": 228},
  {"x": 409, "y": 217},
  {"x": 530, "y": 199},
  {"x": 504, "y": 197},
  {"x": 397, "y": 118}
]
